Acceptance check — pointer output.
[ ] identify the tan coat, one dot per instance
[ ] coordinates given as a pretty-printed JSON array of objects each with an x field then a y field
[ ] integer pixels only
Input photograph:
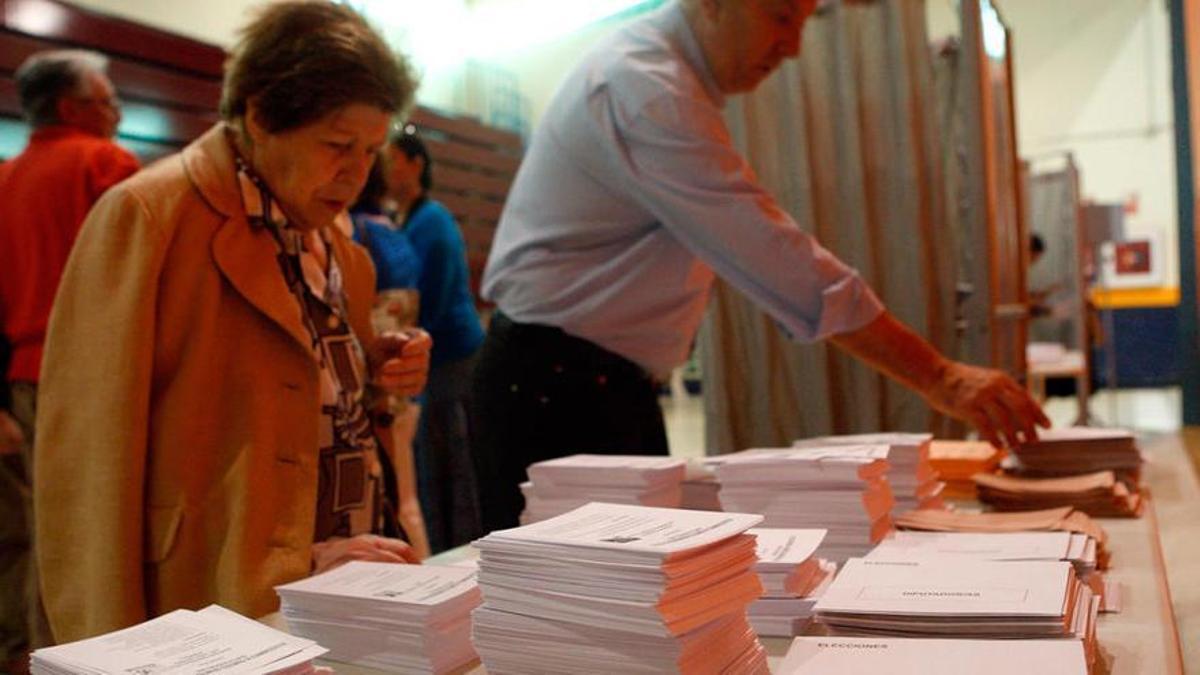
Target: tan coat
[{"x": 176, "y": 458}]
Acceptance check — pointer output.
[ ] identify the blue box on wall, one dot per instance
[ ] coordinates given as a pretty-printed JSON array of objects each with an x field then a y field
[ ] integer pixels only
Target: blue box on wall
[{"x": 1145, "y": 343}]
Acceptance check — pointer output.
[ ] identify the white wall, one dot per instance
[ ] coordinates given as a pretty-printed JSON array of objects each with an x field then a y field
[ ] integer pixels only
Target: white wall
[
  {"x": 429, "y": 32},
  {"x": 217, "y": 21},
  {"x": 213, "y": 21},
  {"x": 1094, "y": 78}
]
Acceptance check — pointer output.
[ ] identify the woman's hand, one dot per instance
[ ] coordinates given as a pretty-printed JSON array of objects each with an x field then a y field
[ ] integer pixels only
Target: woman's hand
[
  {"x": 327, "y": 555},
  {"x": 399, "y": 361},
  {"x": 11, "y": 437}
]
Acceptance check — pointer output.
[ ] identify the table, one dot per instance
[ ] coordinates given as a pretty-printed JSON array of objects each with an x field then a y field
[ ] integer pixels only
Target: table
[{"x": 1142, "y": 639}]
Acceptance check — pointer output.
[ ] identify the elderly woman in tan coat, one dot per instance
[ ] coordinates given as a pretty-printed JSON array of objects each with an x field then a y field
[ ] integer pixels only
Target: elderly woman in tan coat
[{"x": 203, "y": 432}]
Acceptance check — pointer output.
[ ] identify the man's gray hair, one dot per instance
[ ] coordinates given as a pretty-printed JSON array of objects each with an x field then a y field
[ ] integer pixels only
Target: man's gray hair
[{"x": 45, "y": 77}]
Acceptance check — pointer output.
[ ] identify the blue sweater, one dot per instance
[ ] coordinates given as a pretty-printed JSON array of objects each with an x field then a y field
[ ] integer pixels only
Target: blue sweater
[
  {"x": 447, "y": 306},
  {"x": 396, "y": 263}
]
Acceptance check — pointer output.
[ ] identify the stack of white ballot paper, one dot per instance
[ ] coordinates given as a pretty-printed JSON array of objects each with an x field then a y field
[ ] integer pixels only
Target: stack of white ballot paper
[
  {"x": 792, "y": 578},
  {"x": 700, "y": 488},
  {"x": 873, "y": 656},
  {"x": 560, "y": 485},
  {"x": 946, "y": 598},
  {"x": 915, "y": 483},
  {"x": 410, "y": 618},
  {"x": 612, "y": 588},
  {"x": 1077, "y": 549},
  {"x": 212, "y": 641},
  {"x": 840, "y": 489}
]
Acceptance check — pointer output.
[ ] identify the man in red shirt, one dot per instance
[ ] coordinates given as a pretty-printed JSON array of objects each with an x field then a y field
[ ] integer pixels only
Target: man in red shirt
[{"x": 45, "y": 192}]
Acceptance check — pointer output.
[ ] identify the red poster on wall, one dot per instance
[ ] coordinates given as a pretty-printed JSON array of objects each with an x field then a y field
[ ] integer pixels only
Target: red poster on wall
[{"x": 1133, "y": 257}]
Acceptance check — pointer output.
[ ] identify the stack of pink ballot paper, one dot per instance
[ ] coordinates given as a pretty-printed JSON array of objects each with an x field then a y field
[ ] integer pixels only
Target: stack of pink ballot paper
[
  {"x": 950, "y": 599},
  {"x": 915, "y": 483},
  {"x": 560, "y": 485},
  {"x": 1078, "y": 450},
  {"x": 613, "y": 588},
  {"x": 792, "y": 578},
  {"x": 1097, "y": 494},
  {"x": 840, "y": 489}
]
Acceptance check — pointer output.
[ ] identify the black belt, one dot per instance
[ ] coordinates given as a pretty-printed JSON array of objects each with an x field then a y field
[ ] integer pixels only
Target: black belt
[{"x": 557, "y": 345}]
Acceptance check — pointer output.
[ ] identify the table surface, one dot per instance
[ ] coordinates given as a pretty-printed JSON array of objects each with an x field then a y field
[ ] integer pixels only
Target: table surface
[{"x": 1141, "y": 639}]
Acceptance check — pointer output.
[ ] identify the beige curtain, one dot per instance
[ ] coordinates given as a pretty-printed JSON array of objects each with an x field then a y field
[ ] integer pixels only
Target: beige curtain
[{"x": 848, "y": 139}]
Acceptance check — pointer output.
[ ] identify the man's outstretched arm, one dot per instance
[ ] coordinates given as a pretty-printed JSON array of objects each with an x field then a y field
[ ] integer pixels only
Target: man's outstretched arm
[{"x": 993, "y": 402}]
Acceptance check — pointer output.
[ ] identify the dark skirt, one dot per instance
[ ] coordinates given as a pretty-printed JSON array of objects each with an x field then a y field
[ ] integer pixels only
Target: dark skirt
[{"x": 446, "y": 481}]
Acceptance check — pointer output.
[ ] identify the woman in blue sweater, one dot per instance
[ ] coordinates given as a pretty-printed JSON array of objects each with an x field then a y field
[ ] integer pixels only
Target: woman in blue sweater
[{"x": 445, "y": 472}]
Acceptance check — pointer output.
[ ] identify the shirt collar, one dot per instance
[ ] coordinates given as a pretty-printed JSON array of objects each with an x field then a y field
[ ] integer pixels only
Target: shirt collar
[{"x": 675, "y": 25}]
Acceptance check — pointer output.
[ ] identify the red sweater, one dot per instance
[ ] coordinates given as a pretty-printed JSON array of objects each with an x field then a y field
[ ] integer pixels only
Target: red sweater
[{"x": 45, "y": 192}]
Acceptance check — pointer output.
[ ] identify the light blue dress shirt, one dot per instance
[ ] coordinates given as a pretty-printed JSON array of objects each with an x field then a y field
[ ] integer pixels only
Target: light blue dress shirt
[{"x": 632, "y": 195}]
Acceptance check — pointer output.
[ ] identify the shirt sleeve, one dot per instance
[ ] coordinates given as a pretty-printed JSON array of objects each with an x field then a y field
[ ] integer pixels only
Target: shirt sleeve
[{"x": 674, "y": 155}]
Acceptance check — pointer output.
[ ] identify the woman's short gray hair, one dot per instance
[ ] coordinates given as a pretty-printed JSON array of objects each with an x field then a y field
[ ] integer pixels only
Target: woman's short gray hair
[{"x": 45, "y": 77}]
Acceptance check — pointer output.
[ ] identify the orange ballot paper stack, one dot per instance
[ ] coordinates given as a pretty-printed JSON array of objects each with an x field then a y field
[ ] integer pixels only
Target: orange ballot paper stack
[
  {"x": 957, "y": 461},
  {"x": 1076, "y": 450},
  {"x": 1077, "y": 549},
  {"x": 613, "y": 588},
  {"x": 1097, "y": 494},
  {"x": 1062, "y": 519}
]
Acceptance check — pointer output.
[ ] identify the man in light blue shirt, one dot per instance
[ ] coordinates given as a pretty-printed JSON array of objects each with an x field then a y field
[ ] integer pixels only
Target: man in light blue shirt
[{"x": 630, "y": 200}]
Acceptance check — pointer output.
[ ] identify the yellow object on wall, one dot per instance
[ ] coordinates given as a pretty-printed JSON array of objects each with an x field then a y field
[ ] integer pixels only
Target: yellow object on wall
[{"x": 1123, "y": 298}]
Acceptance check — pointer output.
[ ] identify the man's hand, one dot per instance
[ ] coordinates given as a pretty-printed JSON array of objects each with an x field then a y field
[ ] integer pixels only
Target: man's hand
[
  {"x": 329, "y": 554},
  {"x": 1000, "y": 409},
  {"x": 989, "y": 399},
  {"x": 11, "y": 438},
  {"x": 399, "y": 362}
]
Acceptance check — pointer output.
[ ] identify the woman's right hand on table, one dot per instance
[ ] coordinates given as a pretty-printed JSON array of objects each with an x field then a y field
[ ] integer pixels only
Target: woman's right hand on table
[{"x": 335, "y": 552}]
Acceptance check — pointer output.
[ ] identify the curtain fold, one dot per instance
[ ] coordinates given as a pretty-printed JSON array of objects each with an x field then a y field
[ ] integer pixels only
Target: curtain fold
[{"x": 848, "y": 139}]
